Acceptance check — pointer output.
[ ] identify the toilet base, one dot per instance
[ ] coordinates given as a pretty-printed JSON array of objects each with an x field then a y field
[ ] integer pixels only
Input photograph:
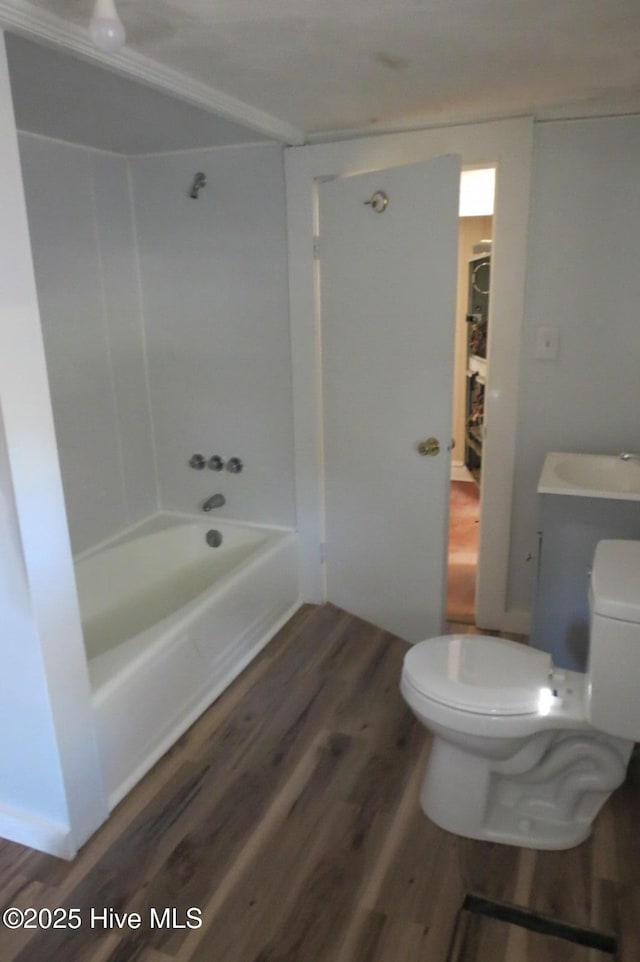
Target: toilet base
[
  {"x": 524, "y": 832},
  {"x": 545, "y": 796}
]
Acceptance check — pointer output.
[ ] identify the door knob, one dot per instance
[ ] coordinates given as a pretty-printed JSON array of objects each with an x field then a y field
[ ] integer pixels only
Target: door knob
[{"x": 429, "y": 448}]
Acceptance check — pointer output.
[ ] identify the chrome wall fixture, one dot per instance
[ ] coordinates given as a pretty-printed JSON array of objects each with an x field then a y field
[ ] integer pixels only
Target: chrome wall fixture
[
  {"x": 215, "y": 463},
  {"x": 215, "y": 501},
  {"x": 199, "y": 181},
  {"x": 378, "y": 202},
  {"x": 213, "y": 538}
]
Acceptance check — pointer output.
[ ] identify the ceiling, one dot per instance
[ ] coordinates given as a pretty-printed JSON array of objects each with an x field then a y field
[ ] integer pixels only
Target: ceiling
[
  {"x": 66, "y": 98},
  {"x": 331, "y": 67}
]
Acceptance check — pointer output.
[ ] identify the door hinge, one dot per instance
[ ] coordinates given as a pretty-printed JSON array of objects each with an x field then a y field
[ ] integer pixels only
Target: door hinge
[
  {"x": 316, "y": 248},
  {"x": 323, "y": 552}
]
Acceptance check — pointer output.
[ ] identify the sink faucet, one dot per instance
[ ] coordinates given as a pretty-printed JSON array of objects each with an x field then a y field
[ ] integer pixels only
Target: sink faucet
[
  {"x": 215, "y": 501},
  {"x": 629, "y": 456}
]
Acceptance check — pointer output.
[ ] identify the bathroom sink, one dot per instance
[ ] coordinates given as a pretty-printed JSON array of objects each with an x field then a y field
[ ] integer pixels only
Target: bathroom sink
[{"x": 590, "y": 476}]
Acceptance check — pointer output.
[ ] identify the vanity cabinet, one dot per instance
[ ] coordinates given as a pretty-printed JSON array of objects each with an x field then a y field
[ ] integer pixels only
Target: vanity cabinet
[{"x": 570, "y": 528}]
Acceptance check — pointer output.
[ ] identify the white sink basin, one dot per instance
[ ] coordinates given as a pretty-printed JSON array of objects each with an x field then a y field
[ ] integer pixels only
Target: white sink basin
[{"x": 590, "y": 476}]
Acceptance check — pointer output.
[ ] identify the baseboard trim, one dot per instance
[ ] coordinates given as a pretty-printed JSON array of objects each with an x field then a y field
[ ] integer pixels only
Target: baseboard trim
[
  {"x": 517, "y": 622},
  {"x": 460, "y": 473},
  {"x": 513, "y": 622},
  {"x": 43, "y": 834}
]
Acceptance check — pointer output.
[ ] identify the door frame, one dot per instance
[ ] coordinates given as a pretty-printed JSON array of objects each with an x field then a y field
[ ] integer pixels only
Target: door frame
[{"x": 507, "y": 145}]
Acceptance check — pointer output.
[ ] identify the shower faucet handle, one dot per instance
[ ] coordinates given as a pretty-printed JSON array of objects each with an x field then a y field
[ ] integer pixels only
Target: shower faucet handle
[
  {"x": 215, "y": 501},
  {"x": 235, "y": 465},
  {"x": 216, "y": 463},
  {"x": 197, "y": 461}
]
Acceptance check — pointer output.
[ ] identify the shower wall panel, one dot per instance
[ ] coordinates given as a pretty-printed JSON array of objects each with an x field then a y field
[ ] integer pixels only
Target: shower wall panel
[
  {"x": 82, "y": 236},
  {"x": 214, "y": 280}
]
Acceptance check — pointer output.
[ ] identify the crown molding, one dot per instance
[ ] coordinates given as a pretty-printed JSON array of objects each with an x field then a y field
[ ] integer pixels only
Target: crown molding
[{"x": 33, "y": 22}]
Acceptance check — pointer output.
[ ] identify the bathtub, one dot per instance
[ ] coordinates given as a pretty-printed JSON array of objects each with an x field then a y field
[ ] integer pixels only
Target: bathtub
[{"x": 169, "y": 621}]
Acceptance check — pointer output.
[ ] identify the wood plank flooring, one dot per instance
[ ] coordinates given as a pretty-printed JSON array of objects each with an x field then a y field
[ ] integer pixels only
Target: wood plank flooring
[{"x": 288, "y": 815}]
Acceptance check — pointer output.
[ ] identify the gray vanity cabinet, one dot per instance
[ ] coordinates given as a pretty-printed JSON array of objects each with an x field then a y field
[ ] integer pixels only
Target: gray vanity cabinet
[{"x": 569, "y": 532}]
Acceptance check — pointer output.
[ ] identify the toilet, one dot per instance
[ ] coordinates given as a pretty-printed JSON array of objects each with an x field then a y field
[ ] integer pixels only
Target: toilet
[{"x": 523, "y": 753}]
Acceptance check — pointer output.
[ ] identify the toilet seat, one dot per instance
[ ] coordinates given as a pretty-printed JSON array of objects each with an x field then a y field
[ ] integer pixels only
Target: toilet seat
[
  {"x": 513, "y": 757},
  {"x": 479, "y": 674}
]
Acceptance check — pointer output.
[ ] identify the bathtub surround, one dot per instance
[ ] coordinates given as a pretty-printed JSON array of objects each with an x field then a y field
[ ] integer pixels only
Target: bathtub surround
[
  {"x": 137, "y": 382},
  {"x": 132, "y": 400},
  {"x": 51, "y": 793},
  {"x": 81, "y": 227},
  {"x": 214, "y": 284},
  {"x": 109, "y": 358}
]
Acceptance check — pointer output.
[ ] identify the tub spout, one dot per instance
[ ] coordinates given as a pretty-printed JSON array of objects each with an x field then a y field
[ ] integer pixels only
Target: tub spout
[{"x": 215, "y": 501}]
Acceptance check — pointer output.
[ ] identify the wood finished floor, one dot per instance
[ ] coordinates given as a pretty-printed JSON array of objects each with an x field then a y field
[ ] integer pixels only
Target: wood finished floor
[{"x": 289, "y": 815}]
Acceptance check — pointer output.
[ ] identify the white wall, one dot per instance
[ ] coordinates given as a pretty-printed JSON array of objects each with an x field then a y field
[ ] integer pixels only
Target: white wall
[
  {"x": 51, "y": 795},
  {"x": 214, "y": 278},
  {"x": 583, "y": 279},
  {"x": 29, "y": 761},
  {"x": 80, "y": 221}
]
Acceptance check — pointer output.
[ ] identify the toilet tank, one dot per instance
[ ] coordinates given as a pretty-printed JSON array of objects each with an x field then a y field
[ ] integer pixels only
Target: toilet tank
[{"x": 613, "y": 672}]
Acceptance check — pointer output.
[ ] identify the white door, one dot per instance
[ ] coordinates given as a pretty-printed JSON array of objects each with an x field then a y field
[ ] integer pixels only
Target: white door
[{"x": 387, "y": 303}]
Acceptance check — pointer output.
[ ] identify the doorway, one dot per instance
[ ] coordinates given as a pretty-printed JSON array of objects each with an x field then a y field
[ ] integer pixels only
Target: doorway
[
  {"x": 477, "y": 189},
  {"x": 479, "y": 145}
]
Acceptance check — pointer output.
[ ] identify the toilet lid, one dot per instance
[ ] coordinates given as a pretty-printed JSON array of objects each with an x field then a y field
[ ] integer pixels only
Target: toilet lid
[{"x": 479, "y": 673}]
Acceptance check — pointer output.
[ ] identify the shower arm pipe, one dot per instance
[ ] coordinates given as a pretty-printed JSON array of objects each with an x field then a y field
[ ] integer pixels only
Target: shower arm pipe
[{"x": 199, "y": 181}]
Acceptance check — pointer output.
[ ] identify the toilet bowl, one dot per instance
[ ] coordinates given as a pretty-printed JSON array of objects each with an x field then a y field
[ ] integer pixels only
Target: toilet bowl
[{"x": 523, "y": 753}]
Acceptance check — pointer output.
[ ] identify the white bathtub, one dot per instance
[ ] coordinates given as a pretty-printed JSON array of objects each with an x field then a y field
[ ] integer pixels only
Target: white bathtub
[{"x": 169, "y": 622}]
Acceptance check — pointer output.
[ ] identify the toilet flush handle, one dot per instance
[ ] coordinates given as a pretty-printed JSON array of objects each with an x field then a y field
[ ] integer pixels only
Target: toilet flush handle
[{"x": 558, "y": 682}]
